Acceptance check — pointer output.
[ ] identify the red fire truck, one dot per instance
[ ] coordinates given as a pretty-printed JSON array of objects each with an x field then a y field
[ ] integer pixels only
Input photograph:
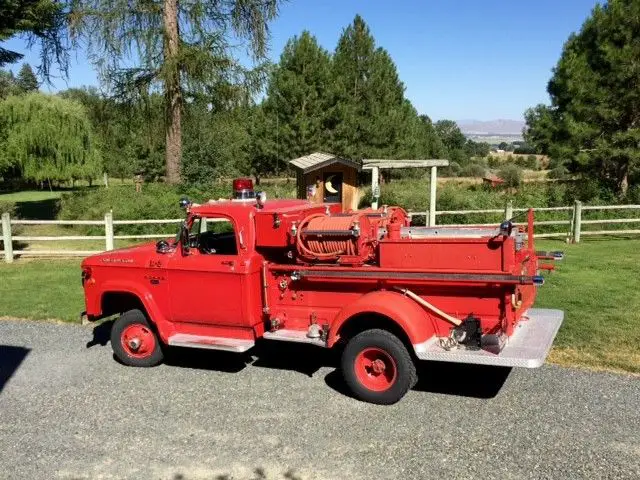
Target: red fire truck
[{"x": 386, "y": 293}]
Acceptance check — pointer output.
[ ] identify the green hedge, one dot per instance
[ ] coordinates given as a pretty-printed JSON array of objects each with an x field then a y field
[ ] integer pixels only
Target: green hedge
[
  {"x": 6, "y": 206},
  {"x": 155, "y": 201}
]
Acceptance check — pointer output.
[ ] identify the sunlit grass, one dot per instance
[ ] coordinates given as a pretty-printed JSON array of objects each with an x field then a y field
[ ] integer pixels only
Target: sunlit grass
[{"x": 597, "y": 287}]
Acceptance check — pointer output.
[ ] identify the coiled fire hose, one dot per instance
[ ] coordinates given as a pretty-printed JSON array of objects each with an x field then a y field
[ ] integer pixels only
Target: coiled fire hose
[{"x": 325, "y": 248}]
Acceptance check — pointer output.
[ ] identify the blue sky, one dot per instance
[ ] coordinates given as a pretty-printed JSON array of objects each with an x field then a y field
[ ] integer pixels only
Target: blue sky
[{"x": 459, "y": 59}]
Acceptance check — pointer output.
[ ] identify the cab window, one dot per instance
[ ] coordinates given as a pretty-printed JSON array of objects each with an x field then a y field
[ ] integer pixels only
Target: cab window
[{"x": 213, "y": 236}]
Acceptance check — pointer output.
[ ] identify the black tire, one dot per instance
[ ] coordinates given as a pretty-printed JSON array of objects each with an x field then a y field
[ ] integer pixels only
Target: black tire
[
  {"x": 134, "y": 326},
  {"x": 393, "y": 353}
]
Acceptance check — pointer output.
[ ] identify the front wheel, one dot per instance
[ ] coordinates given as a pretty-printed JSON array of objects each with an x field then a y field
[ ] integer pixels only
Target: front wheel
[
  {"x": 377, "y": 367},
  {"x": 134, "y": 342}
]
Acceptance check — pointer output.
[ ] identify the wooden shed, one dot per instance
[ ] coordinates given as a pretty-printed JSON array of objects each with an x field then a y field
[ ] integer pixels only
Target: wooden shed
[{"x": 323, "y": 177}]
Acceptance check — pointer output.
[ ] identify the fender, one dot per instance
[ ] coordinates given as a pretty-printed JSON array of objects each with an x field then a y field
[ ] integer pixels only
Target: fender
[
  {"x": 165, "y": 328},
  {"x": 406, "y": 313}
]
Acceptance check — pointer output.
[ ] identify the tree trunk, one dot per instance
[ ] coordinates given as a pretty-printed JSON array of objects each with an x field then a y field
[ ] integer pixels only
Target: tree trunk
[
  {"x": 623, "y": 185},
  {"x": 173, "y": 92}
]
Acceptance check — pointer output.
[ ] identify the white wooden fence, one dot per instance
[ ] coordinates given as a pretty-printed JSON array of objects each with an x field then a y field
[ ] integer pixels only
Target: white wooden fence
[{"x": 573, "y": 232}]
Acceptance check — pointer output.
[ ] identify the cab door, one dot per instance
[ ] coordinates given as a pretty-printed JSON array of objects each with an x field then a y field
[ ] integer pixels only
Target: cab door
[{"x": 205, "y": 284}]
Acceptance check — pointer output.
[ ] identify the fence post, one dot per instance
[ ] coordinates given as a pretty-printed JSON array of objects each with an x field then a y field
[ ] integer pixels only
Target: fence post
[
  {"x": 375, "y": 187},
  {"x": 6, "y": 237},
  {"x": 577, "y": 221},
  {"x": 508, "y": 211},
  {"x": 108, "y": 230},
  {"x": 432, "y": 197}
]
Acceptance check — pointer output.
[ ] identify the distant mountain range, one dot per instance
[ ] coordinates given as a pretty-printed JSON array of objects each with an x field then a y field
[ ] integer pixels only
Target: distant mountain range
[{"x": 491, "y": 127}]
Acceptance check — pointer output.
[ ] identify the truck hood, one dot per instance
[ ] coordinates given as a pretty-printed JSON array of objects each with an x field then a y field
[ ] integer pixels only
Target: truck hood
[{"x": 132, "y": 256}]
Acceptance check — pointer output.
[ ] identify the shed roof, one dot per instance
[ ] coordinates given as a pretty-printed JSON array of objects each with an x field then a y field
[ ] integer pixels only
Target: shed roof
[
  {"x": 490, "y": 177},
  {"x": 368, "y": 164},
  {"x": 318, "y": 160}
]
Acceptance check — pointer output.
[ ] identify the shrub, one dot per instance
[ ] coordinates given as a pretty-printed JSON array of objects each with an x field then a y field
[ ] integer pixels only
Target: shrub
[
  {"x": 155, "y": 201},
  {"x": 7, "y": 207},
  {"x": 512, "y": 175},
  {"x": 473, "y": 170},
  {"x": 494, "y": 161},
  {"x": 453, "y": 170},
  {"x": 530, "y": 162},
  {"x": 559, "y": 172}
]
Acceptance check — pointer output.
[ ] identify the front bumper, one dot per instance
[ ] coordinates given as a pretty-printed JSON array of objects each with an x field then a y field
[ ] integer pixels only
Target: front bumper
[{"x": 528, "y": 346}]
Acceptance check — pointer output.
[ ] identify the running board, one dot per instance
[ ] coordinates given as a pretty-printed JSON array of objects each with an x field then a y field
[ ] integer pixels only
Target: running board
[
  {"x": 527, "y": 347},
  {"x": 211, "y": 343},
  {"x": 298, "y": 336}
]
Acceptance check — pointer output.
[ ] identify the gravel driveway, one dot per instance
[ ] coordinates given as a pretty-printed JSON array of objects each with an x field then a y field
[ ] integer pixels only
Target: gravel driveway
[{"x": 68, "y": 410}]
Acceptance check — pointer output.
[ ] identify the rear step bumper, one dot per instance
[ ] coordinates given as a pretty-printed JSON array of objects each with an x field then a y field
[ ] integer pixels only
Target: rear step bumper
[{"x": 528, "y": 346}]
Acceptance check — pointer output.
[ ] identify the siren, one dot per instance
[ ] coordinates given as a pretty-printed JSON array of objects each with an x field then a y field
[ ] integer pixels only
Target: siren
[{"x": 243, "y": 189}]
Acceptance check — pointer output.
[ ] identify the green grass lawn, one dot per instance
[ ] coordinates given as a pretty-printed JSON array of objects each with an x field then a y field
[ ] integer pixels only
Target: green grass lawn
[
  {"x": 596, "y": 285},
  {"x": 30, "y": 196},
  {"x": 42, "y": 289}
]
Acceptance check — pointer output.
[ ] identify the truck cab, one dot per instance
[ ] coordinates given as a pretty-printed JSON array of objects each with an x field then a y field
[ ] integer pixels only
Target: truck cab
[{"x": 386, "y": 293}]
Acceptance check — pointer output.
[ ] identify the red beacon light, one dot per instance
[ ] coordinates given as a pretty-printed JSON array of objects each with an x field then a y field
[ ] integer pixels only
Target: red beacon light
[{"x": 243, "y": 189}]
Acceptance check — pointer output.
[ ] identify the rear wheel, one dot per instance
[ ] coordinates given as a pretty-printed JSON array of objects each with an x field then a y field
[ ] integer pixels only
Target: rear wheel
[
  {"x": 377, "y": 367},
  {"x": 134, "y": 342}
]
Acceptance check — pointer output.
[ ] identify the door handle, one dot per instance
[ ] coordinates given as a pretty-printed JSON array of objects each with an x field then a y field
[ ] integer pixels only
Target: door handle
[{"x": 230, "y": 263}]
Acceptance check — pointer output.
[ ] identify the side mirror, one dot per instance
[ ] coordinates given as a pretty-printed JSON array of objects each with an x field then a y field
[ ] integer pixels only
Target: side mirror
[
  {"x": 162, "y": 246},
  {"x": 185, "y": 203},
  {"x": 184, "y": 238}
]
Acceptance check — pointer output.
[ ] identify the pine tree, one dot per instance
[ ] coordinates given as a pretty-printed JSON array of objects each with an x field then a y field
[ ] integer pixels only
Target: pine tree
[
  {"x": 26, "y": 80},
  {"x": 42, "y": 22},
  {"x": 7, "y": 84},
  {"x": 298, "y": 98},
  {"x": 593, "y": 122},
  {"x": 370, "y": 116}
]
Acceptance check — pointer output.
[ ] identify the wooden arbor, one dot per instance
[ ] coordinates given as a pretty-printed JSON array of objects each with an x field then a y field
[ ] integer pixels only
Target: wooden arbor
[{"x": 376, "y": 164}]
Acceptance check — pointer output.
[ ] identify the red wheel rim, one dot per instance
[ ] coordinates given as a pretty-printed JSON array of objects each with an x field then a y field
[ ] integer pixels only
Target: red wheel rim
[
  {"x": 375, "y": 369},
  {"x": 138, "y": 340}
]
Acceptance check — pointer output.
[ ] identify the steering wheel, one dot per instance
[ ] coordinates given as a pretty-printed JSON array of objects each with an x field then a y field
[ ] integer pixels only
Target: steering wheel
[
  {"x": 207, "y": 250},
  {"x": 205, "y": 245}
]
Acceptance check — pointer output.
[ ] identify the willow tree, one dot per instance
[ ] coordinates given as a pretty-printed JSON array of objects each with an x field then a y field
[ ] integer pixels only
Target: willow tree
[
  {"x": 45, "y": 138},
  {"x": 187, "y": 48}
]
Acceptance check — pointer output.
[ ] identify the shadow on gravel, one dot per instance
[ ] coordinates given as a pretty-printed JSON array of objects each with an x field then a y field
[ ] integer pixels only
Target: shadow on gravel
[
  {"x": 202, "y": 359},
  {"x": 258, "y": 474},
  {"x": 477, "y": 381},
  {"x": 101, "y": 334},
  {"x": 10, "y": 359},
  {"x": 303, "y": 359}
]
